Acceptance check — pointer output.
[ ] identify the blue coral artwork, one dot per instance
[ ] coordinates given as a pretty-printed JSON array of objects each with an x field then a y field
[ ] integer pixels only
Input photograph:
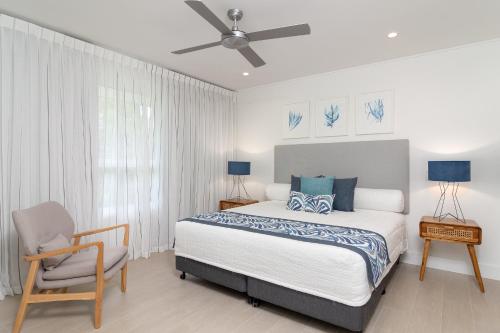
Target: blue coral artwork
[
  {"x": 331, "y": 117},
  {"x": 375, "y": 110},
  {"x": 296, "y": 120},
  {"x": 375, "y": 113}
]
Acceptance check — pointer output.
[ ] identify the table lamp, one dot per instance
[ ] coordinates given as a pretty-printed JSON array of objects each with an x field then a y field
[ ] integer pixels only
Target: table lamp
[
  {"x": 239, "y": 170},
  {"x": 449, "y": 173}
]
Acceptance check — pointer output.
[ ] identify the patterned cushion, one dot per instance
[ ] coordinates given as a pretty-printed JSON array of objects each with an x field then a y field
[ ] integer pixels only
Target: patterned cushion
[
  {"x": 296, "y": 201},
  {"x": 320, "y": 204}
]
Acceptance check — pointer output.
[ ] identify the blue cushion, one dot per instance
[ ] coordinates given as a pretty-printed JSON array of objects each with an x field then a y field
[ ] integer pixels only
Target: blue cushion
[
  {"x": 344, "y": 194},
  {"x": 295, "y": 184},
  {"x": 316, "y": 186}
]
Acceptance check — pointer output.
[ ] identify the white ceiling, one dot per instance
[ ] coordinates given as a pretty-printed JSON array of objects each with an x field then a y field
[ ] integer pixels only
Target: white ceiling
[{"x": 345, "y": 33}]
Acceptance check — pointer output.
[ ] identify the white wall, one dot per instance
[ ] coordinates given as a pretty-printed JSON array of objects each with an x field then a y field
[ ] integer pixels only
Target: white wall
[{"x": 447, "y": 105}]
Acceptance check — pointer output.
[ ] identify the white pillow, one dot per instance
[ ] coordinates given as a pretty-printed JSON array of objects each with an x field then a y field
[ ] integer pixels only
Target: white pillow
[
  {"x": 278, "y": 191},
  {"x": 378, "y": 199}
]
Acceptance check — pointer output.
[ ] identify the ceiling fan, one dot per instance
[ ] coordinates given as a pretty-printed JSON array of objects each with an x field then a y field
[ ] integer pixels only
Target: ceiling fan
[{"x": 235, "y": 38}]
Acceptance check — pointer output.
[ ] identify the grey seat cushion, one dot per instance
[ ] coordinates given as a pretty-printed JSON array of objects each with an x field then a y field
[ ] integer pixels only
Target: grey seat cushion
[
  {"x": 84, "y": 264},
  {"x": 54, "y": 284}
]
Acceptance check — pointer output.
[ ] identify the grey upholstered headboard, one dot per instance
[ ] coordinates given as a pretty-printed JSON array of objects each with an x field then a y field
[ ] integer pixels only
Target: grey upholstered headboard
[{"x": 377, "y": 164}]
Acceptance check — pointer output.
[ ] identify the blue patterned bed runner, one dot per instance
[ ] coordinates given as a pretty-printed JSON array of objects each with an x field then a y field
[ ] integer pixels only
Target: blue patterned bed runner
[{"x": 370, "y": 245}]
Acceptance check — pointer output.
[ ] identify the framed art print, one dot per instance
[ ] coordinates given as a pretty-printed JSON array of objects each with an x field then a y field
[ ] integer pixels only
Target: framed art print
[
  {"x": 295, "y": 120},
  {"x": 375, "y": 113},
  {"x": 331, "y": 117}
]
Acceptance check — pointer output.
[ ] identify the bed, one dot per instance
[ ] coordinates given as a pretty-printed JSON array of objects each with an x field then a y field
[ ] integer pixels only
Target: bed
[{"x": 330, "y": 283}]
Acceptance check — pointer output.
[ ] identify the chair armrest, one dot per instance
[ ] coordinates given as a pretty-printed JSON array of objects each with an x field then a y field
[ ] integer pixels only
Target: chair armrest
[
  {"x": 97, "y": 231},
  {"x": 77, "y": 236},
  {"x": 74, "y": 248}
]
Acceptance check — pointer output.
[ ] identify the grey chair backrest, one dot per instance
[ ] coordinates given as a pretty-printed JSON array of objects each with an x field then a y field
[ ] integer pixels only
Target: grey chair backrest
[{"x": 40, "y": 224}]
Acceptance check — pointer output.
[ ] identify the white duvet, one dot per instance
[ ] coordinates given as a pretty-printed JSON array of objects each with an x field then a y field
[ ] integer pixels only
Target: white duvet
[{"x": 322, "y": 270}]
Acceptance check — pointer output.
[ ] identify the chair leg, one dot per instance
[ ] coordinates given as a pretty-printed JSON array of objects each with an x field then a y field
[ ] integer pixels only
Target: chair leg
[
  {"x": 99, "y": 289},
  {"x": 28, "y": 288},
  {"x": 98, "y": 310},
  {"x": 124, "y": 278}
]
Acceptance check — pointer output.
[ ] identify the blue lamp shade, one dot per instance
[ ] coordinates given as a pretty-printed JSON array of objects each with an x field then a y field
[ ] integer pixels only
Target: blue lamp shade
[
  {"x": 238, "y": 168},
  {"x": 449, "y": 171}
]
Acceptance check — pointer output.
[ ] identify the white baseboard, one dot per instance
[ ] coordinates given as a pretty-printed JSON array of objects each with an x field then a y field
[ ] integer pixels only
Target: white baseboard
[{"x": 488, "y": 271}]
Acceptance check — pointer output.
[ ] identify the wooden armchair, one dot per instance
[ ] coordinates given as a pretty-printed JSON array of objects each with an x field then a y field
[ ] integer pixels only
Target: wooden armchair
[{"x": 41, "y": 224}]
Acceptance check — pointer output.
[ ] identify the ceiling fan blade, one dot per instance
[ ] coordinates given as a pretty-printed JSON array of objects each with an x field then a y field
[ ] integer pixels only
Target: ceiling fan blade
[
  {"x": 251, "y": 56},
  {"x": 207, "y": 14},
  {"x": 196, "y": 48},
  {"x": 290, "y": 31}
]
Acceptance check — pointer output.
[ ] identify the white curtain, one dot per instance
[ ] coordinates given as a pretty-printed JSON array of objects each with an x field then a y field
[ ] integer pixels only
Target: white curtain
[{"x": 113, "y": 139}]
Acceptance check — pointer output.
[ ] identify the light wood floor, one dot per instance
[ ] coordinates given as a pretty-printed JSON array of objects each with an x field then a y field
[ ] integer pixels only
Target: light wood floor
[{"x": 158, "y": 301}]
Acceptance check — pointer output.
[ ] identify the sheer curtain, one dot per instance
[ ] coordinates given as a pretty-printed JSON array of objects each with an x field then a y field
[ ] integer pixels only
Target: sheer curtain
[{"x": 113, "y": 139}]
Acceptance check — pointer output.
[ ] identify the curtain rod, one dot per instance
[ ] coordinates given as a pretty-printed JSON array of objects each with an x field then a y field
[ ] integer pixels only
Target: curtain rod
[{"x": 69, "y": 34}]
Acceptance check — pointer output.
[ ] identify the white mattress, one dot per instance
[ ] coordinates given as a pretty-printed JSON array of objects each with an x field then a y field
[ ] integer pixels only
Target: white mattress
[{"x": 322, "y": 270}]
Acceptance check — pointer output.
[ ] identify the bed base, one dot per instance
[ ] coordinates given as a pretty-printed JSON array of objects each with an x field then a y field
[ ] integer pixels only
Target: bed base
[
  {"x": 211, "y": 273},
  {"x": 354, "y": 318}
]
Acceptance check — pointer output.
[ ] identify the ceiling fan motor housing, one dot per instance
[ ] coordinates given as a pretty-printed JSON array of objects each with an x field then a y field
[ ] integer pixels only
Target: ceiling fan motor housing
[{"x": 235, "y": 40}]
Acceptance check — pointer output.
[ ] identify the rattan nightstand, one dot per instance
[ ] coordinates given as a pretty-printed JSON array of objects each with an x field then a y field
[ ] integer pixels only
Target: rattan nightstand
[
  {"x": 233, "y": 203},
  {"x": 451, "y": 230}
]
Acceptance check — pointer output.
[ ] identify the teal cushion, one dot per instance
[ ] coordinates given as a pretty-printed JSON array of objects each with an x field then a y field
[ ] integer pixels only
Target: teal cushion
[{"x": 316, "y": 186}]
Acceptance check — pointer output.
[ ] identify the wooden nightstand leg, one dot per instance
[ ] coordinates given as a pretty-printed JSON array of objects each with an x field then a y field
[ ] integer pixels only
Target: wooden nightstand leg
[
  {"x": 477, "y": 272},
  {"x": 427, "y": 247}
]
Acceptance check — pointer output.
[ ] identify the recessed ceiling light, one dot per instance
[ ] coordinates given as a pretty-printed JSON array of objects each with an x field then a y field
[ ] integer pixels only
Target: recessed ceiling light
[
  {"x": 245, "y": 73},
  {"x": 392, "y": 34}
]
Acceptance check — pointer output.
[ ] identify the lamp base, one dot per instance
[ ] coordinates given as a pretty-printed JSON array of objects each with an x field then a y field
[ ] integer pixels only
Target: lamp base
[
  {"x": 459, "y": 215},
  {"x": 238, "y": 183}
]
